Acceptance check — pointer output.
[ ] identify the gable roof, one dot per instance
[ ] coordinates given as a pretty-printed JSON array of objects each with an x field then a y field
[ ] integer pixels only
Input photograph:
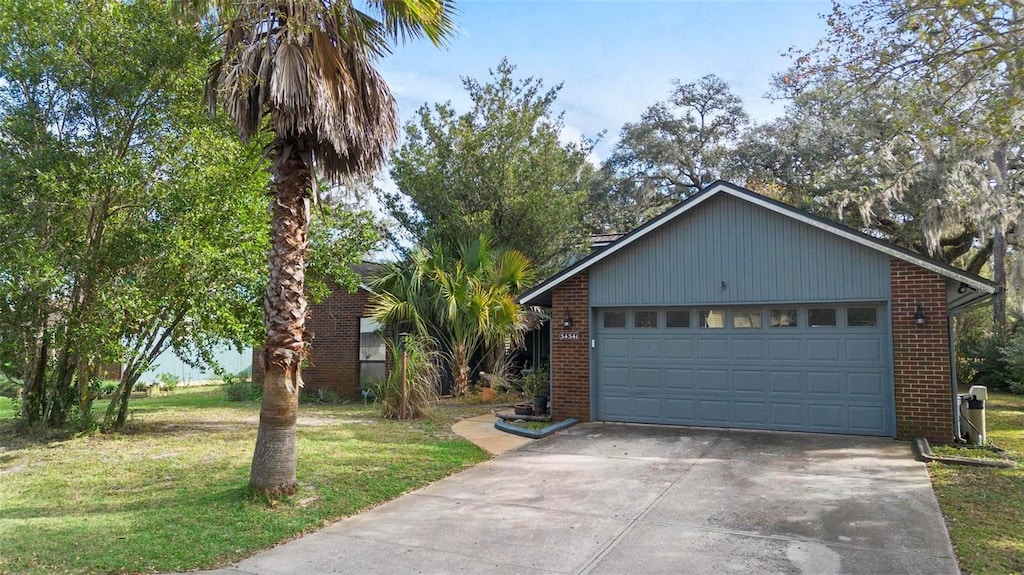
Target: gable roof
[{"x": 722, "y": 187}]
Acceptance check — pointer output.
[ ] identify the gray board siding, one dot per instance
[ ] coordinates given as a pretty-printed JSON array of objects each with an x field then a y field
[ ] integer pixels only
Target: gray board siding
[{"x": 761, "y": 256}]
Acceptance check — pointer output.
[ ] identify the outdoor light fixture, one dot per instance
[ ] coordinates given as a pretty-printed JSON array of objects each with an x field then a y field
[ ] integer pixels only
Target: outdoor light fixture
[
  {"x": 919, "y": 315},
  {"x": 567, "y": 322}
]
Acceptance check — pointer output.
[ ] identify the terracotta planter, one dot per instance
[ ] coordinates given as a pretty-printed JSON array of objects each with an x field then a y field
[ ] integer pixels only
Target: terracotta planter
[{"x": 488, "y": 395}]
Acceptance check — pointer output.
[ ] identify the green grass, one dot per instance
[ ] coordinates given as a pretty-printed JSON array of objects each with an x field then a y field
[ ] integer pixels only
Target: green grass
[
  {"x": 984, "y": 506},
  {"x": 534, "y": 425},
  {"x": 170, "y": 493},
  {"x": 6, "y": 408}
]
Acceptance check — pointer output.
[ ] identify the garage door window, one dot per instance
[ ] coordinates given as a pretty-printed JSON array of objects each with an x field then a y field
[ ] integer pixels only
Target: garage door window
[
  {"x": 614, "y": 319},
  {"x": 746, "y": 318},
  {"x": 784, "y": 318},
  {"x": 677, "y": 318},
  {"x": 644, "y": 319},
  {"x": 861, "y": 317},
  {"x": 821, "y": 317},
  {"x": 712, "y": 318}
]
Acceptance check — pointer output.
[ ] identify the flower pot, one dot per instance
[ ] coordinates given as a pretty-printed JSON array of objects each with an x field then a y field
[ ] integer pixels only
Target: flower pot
[
  {"x": 540, "y": 405},
  {"x": 488, "y": 395},
  {"x": 523, "y": 409}
]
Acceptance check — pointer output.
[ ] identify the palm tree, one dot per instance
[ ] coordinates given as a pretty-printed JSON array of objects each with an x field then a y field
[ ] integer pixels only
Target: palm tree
[
  {"x": 464, "y": 303},
  {"x": 304, "y": 70}
]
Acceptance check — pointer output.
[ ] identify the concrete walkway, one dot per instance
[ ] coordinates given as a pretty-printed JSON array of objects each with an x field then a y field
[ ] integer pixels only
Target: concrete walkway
[
  {"x": 611, "y": 499},
  {"x": 480, "y": 430}
]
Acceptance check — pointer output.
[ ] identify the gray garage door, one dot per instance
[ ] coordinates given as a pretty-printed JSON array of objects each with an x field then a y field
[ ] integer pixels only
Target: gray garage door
[{"x": 822, "y": 368}]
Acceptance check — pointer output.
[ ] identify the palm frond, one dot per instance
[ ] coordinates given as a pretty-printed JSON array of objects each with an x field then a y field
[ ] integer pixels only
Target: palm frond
[{"x": 308, "y": 66}]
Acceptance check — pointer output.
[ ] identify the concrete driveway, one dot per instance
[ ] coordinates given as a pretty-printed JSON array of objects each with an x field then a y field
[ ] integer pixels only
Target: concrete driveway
[{"x": 635, "y": 499}]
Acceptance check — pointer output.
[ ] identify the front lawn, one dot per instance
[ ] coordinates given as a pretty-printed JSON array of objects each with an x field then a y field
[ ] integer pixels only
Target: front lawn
[
  {"x": 170, "y": 494},
  {"x": 984, "y": 506}
]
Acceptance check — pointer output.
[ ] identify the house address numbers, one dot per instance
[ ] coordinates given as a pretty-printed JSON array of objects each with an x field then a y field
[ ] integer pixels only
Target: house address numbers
[{"x": 568, "y": 335}]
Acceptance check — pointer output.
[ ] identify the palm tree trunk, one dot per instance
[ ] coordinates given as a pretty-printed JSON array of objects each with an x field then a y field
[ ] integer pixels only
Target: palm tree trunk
[
  {"x": 460, "y": 365},
  {"x": 284, "y": 311}
]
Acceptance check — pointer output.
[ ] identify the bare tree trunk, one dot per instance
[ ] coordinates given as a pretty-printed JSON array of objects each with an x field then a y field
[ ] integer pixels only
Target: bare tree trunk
[
  {"x": 284, "y": 311},
  {"x": 128, "y": 381},
  {"x": 999, "y": 277},
  {"x": 1001, "y": 157},
  {"x": 33, "y": 395}
]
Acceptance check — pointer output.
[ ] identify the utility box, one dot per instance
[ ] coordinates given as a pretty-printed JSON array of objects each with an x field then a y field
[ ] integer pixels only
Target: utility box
[
  {"x": 975, "y": 414},
  {"x": 978, "y": 392}
]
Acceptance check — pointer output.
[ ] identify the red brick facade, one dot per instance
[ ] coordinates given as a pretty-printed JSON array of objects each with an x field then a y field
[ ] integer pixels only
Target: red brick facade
[
  {"x": 570, "y": 358},
  {"x": 921, "y": 354},
  {"x": 334, "y": 362}
]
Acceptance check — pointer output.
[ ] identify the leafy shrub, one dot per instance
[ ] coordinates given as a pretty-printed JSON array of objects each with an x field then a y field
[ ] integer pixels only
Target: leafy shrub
[
  {"x": 9, "y": 387},
  {"x": 997, "y": 362},
  {"x": 106, "y": 387},
  {"x": 973, "y": 331},
  {"x": 167, "y": 381},
  {"x": 238, "y": 390},
  {"x": 422, "y": 373},
  {"x": 536, "y": 383},
  {"x": 321, "y": 395}
]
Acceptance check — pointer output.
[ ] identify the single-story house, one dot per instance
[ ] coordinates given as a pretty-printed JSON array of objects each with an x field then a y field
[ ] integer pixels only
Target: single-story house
[
  {"x": 348, "y": 353},
  {"x": 735, "y": 310}
]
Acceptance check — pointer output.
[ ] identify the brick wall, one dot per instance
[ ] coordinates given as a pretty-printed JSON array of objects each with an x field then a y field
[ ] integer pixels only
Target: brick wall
[
  {"x": 570, "y": 358},
  {"x": 334, "y": 362},
  {"x": 921, "y": 354}
]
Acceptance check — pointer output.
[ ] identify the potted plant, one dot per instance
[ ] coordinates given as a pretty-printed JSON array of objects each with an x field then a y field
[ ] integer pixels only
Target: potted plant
[
  {"x": 489, "y": 389},
  {"x": 536, "y": 385}
]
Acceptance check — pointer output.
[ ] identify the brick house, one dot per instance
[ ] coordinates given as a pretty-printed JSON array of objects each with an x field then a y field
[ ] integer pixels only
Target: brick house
[
  {"x": 348, "y": 351},
  {"x": 734, "y": 310}
]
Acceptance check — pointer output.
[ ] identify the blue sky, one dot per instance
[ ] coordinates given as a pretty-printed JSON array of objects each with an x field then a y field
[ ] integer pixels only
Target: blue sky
[{"x": 615, "y": 58}]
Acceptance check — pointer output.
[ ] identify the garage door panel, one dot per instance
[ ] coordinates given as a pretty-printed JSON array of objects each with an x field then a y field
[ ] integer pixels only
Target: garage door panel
[
  {"x": 681, "y": 411},
  {"x": 863, "y": 350},
  {"x": 679, "y": 380},
  {"x": 647, "y": 409},
  {"x": 788, "y": 349},
  {"x": 865, "y": 384},
  {"x": 751, "y": 414},
  {"x": 615, "y": 407},
  {"x": 712, "y": 348},
  {"x": 615, "y": 347},
  {"x": 789, "y": 415},
  {"x": 747, "y": 381},
  {"x": 744, "y": 349},
  {"x": 786, "y": 381},
  {"x": 614, "y": 379},
  {"x": 645, "y": 348},
  {"x": 713, "y": 411},
  {"x": 833, "y": 379},
  {"x": 825, "y": 382},
  {"x": 646, "y": 378},
  {"x": 678, "y": 348},
  {"x": 865, "y": 417},
  {"x": 713, "y": 379},
  {"x": 828, "y": 417},
  {"x": 822, "y": 350}
]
